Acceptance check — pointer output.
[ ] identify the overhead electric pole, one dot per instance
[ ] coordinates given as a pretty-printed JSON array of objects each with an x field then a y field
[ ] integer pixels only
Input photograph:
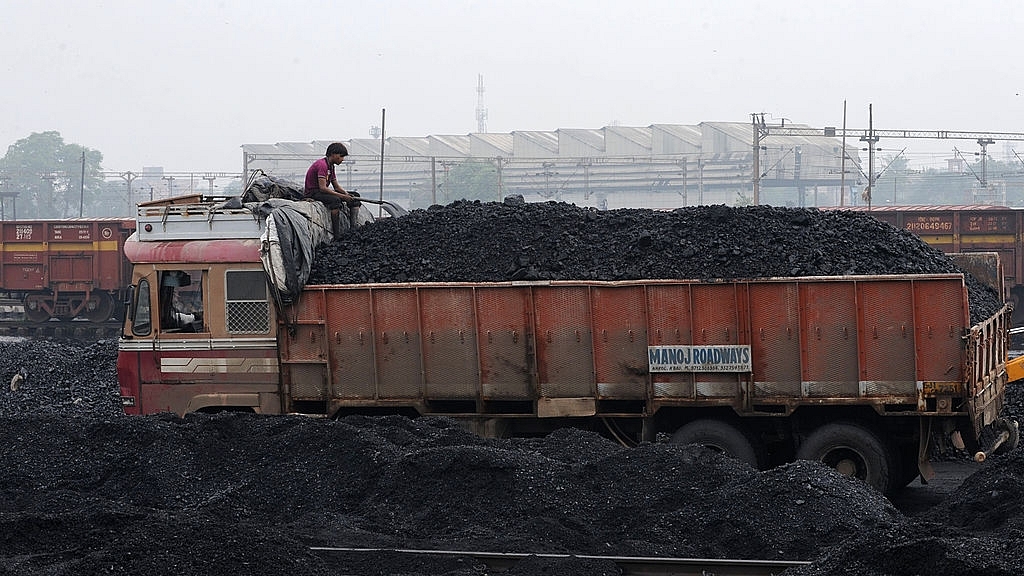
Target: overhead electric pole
[
  {"x": 481, "y": 112},
  {"x": 760, "y": 130},
  {"x": 984, "y": 142},
  {"x": 842, "y": 163},
  {"x": 871, "y": 139}
]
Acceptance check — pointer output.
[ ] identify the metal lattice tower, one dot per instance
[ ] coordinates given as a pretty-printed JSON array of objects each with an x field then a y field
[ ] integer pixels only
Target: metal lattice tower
[{"x": 481, "y": 112}]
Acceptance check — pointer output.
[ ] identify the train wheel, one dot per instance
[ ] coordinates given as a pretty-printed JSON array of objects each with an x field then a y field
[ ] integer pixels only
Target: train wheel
[
  {"x": 102, "y": 306},
  {"x": 36, "y": 314},
  {"x": 852, "y": 450},
  {"x": 721, "y": 437}
]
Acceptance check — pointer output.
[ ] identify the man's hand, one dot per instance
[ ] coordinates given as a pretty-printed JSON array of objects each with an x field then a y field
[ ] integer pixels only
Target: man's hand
[{"x": 349, "y": 198}]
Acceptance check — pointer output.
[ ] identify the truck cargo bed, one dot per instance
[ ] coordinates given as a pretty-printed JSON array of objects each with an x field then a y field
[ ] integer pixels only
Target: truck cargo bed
[{"x": 896, "y": 343}]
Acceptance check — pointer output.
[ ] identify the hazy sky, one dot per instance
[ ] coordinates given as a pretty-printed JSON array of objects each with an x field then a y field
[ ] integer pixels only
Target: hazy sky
[{"x": 184, "y": 84}]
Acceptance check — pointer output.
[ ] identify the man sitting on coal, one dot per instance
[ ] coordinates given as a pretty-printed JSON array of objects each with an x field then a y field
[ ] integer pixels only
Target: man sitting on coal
[{"x": 320, "y": 178}]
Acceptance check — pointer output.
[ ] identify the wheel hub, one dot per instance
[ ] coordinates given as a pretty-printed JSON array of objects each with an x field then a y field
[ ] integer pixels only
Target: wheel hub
[{"x": 846, "y": 467}]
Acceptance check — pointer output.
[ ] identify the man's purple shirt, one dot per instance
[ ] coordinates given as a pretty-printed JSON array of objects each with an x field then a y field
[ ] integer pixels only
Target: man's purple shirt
[{"x": 320, "y": 168}]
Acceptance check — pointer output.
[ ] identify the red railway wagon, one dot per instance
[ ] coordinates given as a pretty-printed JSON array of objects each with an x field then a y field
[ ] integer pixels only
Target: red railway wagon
[
  {"x": 967, "y": 229},
  {"x": 65, "y": 268}
]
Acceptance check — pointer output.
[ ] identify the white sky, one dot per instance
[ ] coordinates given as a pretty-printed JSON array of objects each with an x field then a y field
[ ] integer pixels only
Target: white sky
[{"x": 183, "y": 84}]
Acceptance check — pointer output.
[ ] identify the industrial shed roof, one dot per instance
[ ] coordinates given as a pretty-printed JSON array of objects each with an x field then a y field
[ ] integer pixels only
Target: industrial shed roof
[
  {"x": 712, "y": 140},
  {"x": 534, "y": 144},
  {"x": 627, "y": 141},
  {"x": 406, "y": 146},
  {"x": 457, "y": 146},
  {"x": 580, "y": 142},
  {"x": 490, "y": 145}
]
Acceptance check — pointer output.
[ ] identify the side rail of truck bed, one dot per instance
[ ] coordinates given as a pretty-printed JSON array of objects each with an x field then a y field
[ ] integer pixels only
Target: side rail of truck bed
[
  {"x": 536, "y": 349},
  {"x": 987, "y": 350}
]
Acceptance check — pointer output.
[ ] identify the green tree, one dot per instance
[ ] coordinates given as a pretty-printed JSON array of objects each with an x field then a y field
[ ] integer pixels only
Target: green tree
[
  {"x": 46, "y": 174},
  {"x": 474, "y": 179}
]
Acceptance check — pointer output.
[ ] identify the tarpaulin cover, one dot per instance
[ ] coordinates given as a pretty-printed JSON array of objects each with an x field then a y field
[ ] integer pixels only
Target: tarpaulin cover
[
  {"x": 293, "y": 231},
  {"x": 266, "y": 187}
]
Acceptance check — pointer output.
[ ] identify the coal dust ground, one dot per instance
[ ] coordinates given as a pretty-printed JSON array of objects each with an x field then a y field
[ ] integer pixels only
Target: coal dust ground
[{"x": 86, "y": 490}]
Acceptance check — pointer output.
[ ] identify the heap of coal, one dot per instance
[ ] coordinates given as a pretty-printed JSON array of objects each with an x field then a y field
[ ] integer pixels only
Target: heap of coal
[
  {"x": 494, "y": 242},
  {"x": 86, "y": 490}
]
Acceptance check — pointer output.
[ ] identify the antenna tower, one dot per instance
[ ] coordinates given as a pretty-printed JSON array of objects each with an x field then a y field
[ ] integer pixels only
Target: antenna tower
[{"x": 481, "y": 112}]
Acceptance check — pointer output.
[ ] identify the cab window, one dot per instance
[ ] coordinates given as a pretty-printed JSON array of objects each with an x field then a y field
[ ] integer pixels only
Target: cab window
[
  {"x": 181, "y": 301},
  {"x": 247, "y": 303}
]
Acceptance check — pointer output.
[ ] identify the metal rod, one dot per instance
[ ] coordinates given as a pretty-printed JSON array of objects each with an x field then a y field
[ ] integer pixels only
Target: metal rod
[{"x": 380, "y": 209}]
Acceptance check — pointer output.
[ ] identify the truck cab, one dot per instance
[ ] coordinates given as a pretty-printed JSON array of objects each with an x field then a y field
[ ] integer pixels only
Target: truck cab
[{"x": 200, "y": 330}]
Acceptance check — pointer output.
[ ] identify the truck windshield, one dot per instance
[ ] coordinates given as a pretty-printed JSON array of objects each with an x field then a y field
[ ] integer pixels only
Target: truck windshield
[{"x": 142, "y": 321}]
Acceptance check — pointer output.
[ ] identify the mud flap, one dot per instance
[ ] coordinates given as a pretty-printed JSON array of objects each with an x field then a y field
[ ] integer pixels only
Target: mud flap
[{"x": 924, "y": 464}]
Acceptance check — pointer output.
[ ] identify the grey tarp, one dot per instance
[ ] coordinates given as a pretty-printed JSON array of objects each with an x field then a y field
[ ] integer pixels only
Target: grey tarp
[
  {"x": 267, "y": 186},
  {"x": 292, "y": 233}
]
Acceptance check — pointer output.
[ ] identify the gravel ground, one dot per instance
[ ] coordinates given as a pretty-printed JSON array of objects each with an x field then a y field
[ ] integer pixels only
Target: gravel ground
[{"x": 86, "y": 490}]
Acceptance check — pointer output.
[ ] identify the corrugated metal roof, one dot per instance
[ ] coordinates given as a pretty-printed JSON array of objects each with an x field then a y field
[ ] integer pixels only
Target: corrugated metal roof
[
  {"x": 406, "y": 146},
  {"x": 535, "y": 142},
  {"x": 302, "y": 149},
  {"x": 582, "y": 139},
  {"x": 259, "y": 148},
  {"x": 686, "y": 132},
  {"x": 675, "y": 139},
  {"x": 449, "y": 145},
  {"x": 711, "y": 139},
  {"x": 627, "y": 140},
  {"x": 490, "y": 145},
  {"x": 364, "y": 147}
]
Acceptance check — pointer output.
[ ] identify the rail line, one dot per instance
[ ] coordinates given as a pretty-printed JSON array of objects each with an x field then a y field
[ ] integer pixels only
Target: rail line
[
  {"x": 74, "y": 329},
  {"x": 629, "y": 565}
]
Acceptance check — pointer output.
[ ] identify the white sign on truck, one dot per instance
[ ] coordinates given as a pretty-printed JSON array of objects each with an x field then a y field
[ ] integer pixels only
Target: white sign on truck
[{"x": 699, "y": 358}]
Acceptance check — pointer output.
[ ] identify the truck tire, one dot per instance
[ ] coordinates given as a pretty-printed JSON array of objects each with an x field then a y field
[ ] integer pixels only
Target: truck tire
[
  {"x": 721, "y": 437},
  {"x": 853, "y": 450}
]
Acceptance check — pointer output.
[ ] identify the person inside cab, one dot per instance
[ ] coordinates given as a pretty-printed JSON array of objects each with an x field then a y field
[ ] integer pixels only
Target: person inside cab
[{"x": 180, "y": 310}]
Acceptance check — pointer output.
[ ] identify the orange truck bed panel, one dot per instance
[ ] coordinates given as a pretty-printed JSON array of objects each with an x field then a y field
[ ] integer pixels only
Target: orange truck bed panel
[{"x": 742, "y": 342}]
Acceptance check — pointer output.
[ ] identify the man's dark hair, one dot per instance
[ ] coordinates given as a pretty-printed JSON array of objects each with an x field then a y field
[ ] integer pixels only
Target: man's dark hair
[{"x": 337, "y": 148}]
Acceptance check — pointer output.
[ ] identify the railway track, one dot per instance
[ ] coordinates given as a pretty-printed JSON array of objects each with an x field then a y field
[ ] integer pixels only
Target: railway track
[
  {"x": 77, "y": 330},
  {"x": 628, "y": 565}
]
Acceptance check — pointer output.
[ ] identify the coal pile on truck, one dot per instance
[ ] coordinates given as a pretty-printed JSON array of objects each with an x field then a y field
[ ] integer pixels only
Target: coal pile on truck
[{"x": 496, "y": 242}]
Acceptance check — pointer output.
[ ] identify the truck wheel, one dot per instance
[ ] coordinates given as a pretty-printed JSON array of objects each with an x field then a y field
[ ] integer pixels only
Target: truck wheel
[
  {"x": 852, "y": 450},
  {"x": 721, "y": 437}
]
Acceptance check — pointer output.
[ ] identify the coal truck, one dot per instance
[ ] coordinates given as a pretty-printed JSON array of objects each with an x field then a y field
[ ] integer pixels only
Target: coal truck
[{"x": 869, "y": 374}]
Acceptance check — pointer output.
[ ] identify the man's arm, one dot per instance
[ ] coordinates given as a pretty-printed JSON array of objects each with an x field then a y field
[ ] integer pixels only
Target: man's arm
[{"x": 338, "y": 191}]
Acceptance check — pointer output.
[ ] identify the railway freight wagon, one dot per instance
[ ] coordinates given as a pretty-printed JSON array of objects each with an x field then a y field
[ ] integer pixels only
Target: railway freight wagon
[
  {"x": 860, "y": 372},
  {"x": 969, "y": 229},
  {"x": 64, "y": 268}
]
